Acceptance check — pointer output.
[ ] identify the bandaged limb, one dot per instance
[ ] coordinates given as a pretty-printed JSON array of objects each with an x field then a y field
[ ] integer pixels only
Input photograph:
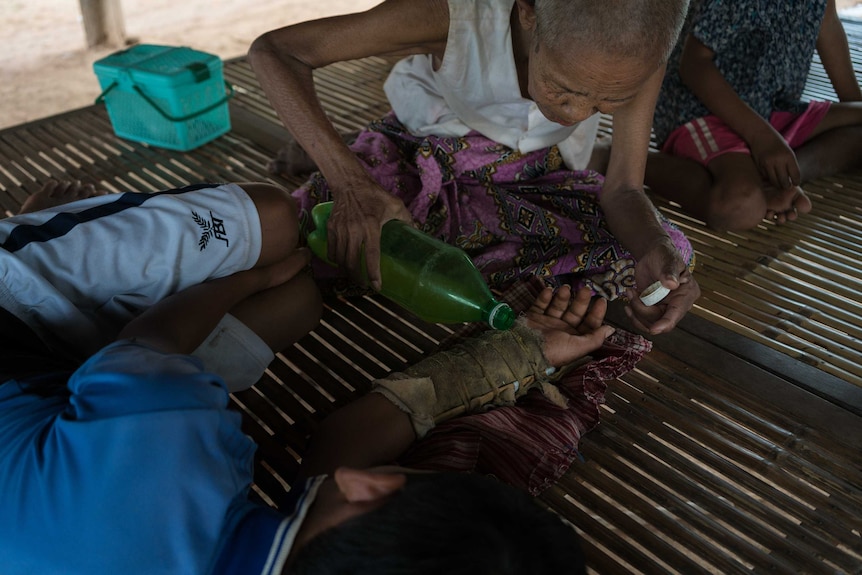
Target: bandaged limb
[{"x": 493, "y": 369}]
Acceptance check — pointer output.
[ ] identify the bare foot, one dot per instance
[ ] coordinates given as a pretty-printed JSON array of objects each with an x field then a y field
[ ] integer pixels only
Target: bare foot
[
  {"x": 572, "y": 327},
  {"x": 292, "y": 160},
  {"x": 601, "y": 155},
  {"x": 786, "y": 205},
  {"x": 55, "y": 193}
]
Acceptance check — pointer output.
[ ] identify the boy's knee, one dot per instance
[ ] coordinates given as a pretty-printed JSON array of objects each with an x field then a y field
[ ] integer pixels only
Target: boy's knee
[
  {"x": 736, "y": 207},
  {"x": 279, "y": 219}
]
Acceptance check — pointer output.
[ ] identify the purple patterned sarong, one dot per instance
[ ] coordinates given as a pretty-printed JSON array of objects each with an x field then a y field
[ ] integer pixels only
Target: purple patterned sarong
[{"x": 517, "y": 215}]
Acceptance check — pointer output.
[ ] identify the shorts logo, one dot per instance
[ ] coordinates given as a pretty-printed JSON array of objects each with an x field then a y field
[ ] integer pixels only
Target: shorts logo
[{"x": 210, "y": 228}]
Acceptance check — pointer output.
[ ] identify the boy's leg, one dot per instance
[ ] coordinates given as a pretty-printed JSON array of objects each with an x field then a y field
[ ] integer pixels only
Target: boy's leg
[
  {"x": 279, "y": 223},
  {"x": 835, "y": 145},
  {"x": 271, "y": 320},
  {"x": 100, "y": 261},
  {"x": 280, "y": 316},
  {"x": 244, "y": 342}
]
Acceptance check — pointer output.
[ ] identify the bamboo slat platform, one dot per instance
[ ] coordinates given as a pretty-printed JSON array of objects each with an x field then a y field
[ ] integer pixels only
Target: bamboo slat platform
[{"x": 724, "y": 452}]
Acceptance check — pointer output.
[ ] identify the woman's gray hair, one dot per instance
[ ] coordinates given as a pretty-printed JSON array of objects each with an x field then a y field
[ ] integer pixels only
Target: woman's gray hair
[{"x": 619, "y": 27}]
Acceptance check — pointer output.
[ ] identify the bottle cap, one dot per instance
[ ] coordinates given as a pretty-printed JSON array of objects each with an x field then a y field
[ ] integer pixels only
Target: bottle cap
[
  {"x": 501, "y": 317},
  {"x": 654, "y": 294}
]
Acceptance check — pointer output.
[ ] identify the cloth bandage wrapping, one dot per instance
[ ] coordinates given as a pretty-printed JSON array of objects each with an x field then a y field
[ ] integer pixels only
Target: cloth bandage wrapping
[{"x": 493, "y": 369}]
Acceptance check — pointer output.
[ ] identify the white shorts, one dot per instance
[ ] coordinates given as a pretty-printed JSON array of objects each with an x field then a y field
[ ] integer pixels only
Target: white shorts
[{"x": 76, "y": 274}]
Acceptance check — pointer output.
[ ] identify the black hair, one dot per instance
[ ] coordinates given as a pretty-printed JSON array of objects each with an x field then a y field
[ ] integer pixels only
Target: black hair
[{"x": 450, "y": 523}]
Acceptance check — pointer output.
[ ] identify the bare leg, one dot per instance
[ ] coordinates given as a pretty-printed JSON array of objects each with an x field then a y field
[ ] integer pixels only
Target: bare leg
[
  {"x": 373, "y": 431},
  {"x": 840, "y": 115},
  {"x": 832, "y": 152},
  {"x": 835, "y": 145},
  {"x": 282, "y": 315},
  {"x": 741, "y": 199},
  {"x": 55, "y": 193},
  {"x": 680, "y": 180},
  {"x": 279, "y": 221},
  {"x": 729, "y": 194}
]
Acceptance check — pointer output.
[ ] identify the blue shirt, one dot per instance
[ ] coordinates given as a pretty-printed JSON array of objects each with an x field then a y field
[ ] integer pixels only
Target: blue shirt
[
  {"x": 763, "y": 48},
  {"x": 140, "y": 468}
]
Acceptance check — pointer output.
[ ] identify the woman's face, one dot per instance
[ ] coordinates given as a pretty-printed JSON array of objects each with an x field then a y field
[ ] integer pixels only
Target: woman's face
[{"x": 571, "y": 84}]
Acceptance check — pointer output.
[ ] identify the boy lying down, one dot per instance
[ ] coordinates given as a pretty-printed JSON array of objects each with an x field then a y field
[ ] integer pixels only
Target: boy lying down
[{"x": 118, "y": 452}]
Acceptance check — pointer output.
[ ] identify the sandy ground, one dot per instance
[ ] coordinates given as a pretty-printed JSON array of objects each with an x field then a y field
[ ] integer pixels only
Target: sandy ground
[{"x": 45, "y": 67}]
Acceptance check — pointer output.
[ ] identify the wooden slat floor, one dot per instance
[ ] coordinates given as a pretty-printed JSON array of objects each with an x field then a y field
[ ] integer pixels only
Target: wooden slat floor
[{"x": 732, "y": 448}]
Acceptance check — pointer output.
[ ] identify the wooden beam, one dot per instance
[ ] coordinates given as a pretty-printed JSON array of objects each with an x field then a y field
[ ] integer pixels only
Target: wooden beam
[{"x": 103, "y": 23}]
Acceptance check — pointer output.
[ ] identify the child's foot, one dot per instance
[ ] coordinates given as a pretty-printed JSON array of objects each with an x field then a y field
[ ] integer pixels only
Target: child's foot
[
  {"x": 786, "y": 205},
  {"x": 55, "y": 193},
  {"x": 292, "y": 160},
  {"x": 572, "y": 327}
]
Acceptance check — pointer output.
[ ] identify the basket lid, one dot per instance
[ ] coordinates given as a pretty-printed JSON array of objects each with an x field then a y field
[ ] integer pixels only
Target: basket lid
[{"x": 155, "y": 64}]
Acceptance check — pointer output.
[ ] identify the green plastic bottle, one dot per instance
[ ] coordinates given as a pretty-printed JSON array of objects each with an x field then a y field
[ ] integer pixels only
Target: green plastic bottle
[{"x": 430, "y": 278}]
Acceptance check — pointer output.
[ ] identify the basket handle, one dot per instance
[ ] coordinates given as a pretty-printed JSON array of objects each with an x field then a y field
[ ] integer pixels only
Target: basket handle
[
  {"x": 101, "y": 97},
  {"x": 227, "y": 96}
]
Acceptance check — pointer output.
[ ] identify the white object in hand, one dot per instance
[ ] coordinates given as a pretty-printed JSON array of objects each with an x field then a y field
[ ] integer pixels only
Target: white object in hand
[{"x": 653, "y": 294}]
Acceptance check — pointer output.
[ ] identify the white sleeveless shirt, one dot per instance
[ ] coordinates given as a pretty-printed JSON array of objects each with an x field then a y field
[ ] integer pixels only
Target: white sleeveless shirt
[{"x": 476, "y": 88}]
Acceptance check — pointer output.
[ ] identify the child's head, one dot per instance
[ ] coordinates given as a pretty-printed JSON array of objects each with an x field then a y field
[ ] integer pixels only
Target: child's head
[
  {"x": 589, "y": 56},
  {"x": 447, "y": 523}
]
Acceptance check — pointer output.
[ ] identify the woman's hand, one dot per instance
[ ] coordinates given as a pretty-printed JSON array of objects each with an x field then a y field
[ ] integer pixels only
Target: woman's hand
[
  {"x": 360, "y": 209},
  {"x": 662, "y": 264}
]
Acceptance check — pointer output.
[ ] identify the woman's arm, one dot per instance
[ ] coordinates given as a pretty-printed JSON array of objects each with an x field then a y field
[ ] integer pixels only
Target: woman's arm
[
  {"x": 835, "y": 56},
  {"x": 283, "y": 61},
  {"x": 633, "y": 219},
  {"x": 631, "y": 216}
]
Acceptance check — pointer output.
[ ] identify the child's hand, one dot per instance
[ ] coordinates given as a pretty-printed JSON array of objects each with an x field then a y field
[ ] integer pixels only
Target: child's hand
[
  {"x": 775, "y": 160},
  {"x": 570, "y": 324}
]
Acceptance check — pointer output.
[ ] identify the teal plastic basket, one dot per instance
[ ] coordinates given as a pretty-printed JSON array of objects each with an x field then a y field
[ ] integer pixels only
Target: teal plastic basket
[{"x": 167, "y": 96}]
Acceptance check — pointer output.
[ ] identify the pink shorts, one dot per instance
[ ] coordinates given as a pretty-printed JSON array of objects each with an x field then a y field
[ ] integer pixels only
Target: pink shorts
[{"x": 706, "y": 138}]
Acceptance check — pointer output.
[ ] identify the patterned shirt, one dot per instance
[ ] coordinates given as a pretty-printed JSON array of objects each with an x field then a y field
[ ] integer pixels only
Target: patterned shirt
[{"x": 763, "y": 48}]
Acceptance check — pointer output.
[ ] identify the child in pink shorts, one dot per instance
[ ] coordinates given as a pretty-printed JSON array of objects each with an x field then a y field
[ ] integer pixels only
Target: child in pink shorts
[
  {"x": 706, "y": 138},
  {"x": 736, "y": 140}
]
